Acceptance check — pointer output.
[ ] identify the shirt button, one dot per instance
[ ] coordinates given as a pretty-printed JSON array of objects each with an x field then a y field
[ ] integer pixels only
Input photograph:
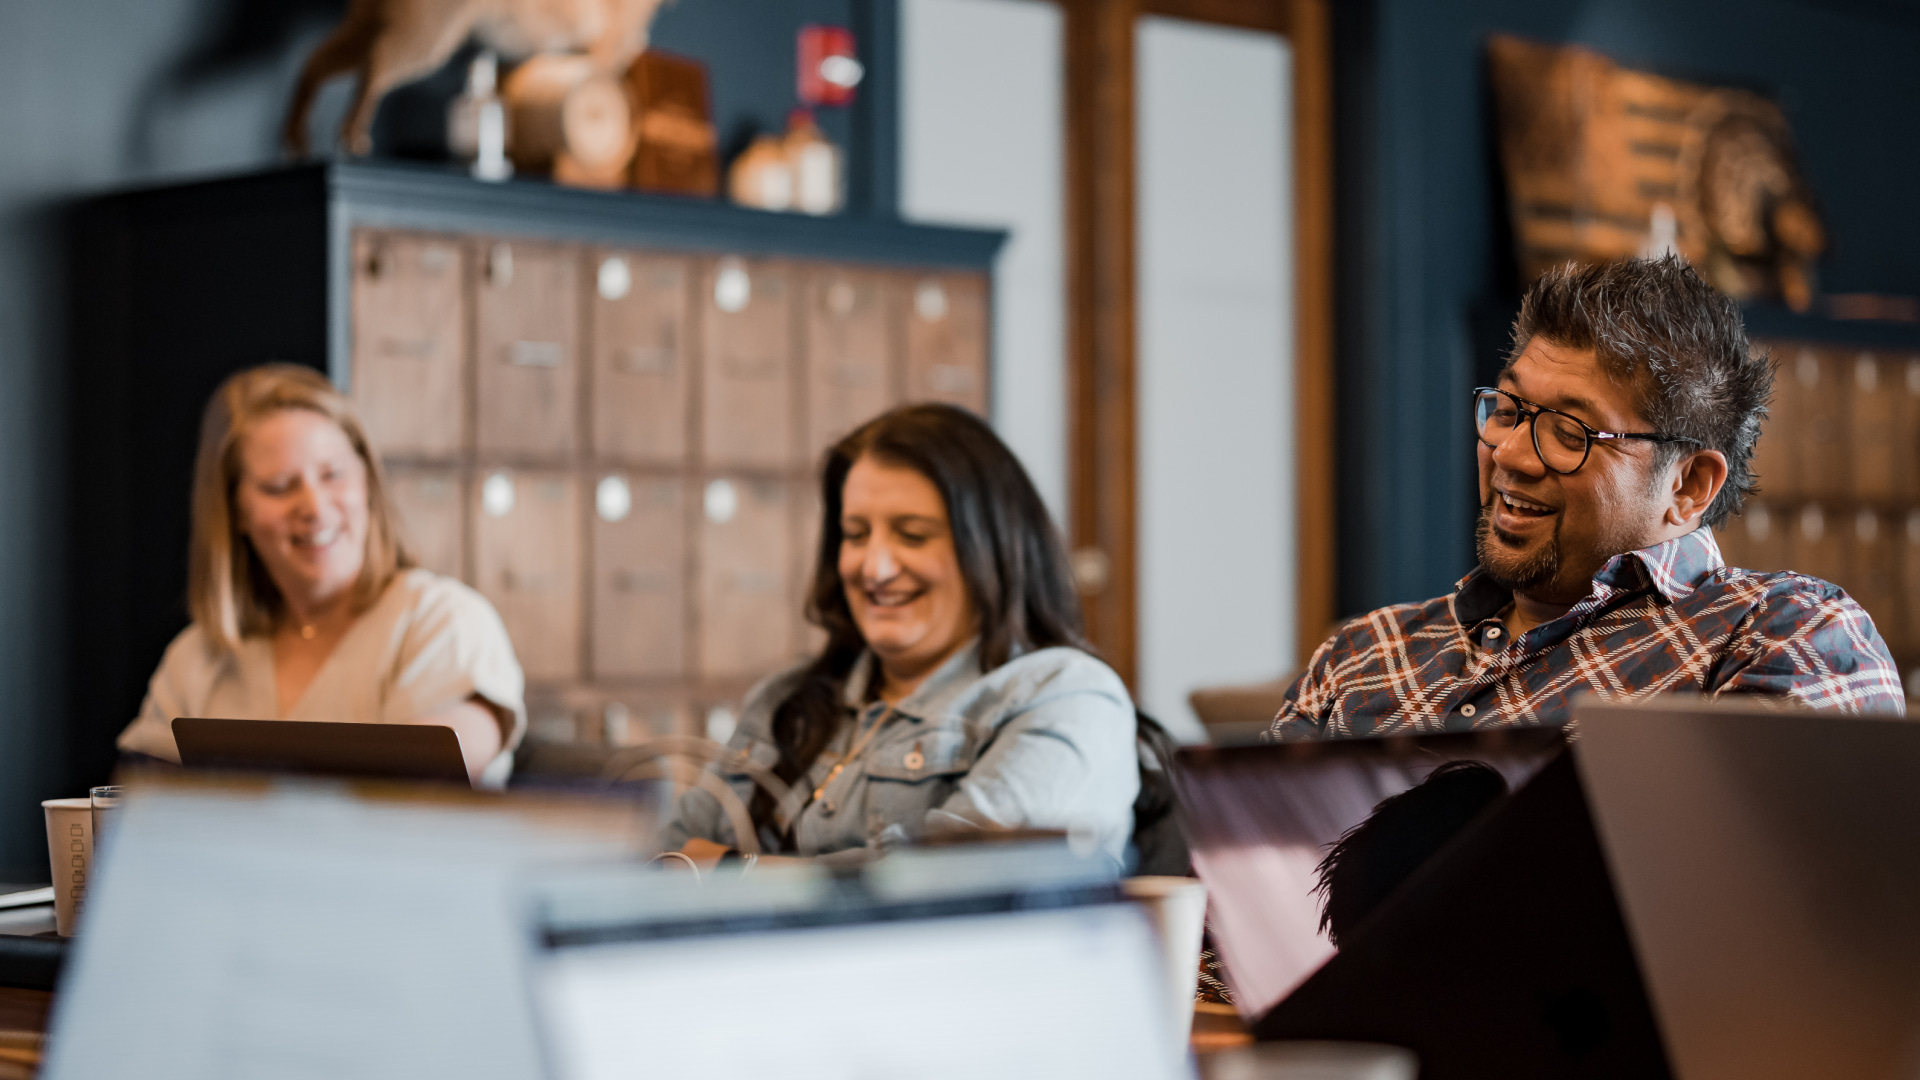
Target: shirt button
[
  {"x": 1493, "y": 633},
  {"x": 1468, "y": 710}
]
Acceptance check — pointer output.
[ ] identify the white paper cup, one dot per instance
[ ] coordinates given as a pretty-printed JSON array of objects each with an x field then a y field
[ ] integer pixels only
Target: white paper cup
[
  {"x": 1178, "y": 908},
  {"x": 70, "y": 853}
]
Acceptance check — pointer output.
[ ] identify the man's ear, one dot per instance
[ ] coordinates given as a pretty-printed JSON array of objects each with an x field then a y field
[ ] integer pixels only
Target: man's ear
[{"x": 1697, "y": 479}]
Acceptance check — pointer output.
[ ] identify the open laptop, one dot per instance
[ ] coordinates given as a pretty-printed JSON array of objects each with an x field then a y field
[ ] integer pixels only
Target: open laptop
[
  {"x": 1261, "y": 819},
  {"x": 387, "y": 751},
  {"x": 1768, "y": 863},
  {"x": 935, "y": 964},
  {"x": 1480, "y": 933}
]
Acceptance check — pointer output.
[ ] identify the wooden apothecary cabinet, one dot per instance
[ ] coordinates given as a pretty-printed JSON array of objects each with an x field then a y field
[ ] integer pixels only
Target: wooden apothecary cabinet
[
  {"x": 602, "y": 410},
  {"x": 1838, "y": 463}
]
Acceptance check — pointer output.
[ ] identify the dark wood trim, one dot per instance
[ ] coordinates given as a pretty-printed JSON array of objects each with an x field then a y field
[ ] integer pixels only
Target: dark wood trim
[
  {"x": 1101, "y": 326},
  {"x": 1100, "y": 321},
  {"x": 1310, "y": 30}
]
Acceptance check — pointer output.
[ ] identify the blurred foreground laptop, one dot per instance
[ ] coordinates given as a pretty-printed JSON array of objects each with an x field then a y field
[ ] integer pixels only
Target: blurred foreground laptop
[
  {"x": 294, "y": 927},
  {"x": 386, "y": 751},
  {"x": 288, "y": 927},
  {"x": 1492, "y": 948},
  {"x": 931, "y": 964},
  {"x": 1769, "y": 866}
]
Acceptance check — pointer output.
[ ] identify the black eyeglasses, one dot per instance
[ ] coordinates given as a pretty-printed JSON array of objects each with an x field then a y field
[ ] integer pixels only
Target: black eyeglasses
[{"x": 1563, "y": 442}]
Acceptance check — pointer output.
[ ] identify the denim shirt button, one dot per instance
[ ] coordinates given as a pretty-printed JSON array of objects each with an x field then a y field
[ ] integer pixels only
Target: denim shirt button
[{"x": 1468, "y": 711}]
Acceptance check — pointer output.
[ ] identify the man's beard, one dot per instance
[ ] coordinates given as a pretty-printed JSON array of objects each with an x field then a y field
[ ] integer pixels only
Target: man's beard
[{"x": 1515, "y": 572}]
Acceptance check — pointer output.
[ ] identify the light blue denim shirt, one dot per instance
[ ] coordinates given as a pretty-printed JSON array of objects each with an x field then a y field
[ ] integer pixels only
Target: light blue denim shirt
[{"x": 1044, "y": 741}]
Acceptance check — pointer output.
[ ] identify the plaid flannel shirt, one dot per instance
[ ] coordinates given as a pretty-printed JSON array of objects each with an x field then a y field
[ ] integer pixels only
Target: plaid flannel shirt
[{"x": 1669, "y": 618}]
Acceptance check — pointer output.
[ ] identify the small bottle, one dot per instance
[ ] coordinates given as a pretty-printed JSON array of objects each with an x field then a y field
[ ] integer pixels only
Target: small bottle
[
  {"x": 818, "y": 177},
  {"x": 761, "y": 176},
  {"x": 477, "y": 122}
]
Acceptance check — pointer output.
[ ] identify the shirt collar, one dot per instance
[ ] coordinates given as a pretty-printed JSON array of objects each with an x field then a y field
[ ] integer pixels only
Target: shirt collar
[
  {"x": 1673, "y": 568},
  {"x": 933, "y": 694}
]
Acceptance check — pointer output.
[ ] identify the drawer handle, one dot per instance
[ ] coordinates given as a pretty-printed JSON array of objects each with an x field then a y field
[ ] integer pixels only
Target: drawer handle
[
  {"x": 409, "y": 348},
  {"x": 852, "y": 375},
  {"x": 613, "y": 499},
  {"x": 951, "y": 379},
  {"x": 722, "y": 501},
  {"x": 615, "y": 280},
  {"x": 544, "y": 354},
  {"x": 645, "y": 359},
  {"x": 497, "y": 495},
  {"x": 760, "y": 581},
  {"x": 745, "y": 367},
  {"x": 732, "y": 288},
  {"x": 842, "y": 299},
  {"x": 522, "y": 581},
  {"x": 930, "y": 301},
  {"x": 639, "y": 581}
]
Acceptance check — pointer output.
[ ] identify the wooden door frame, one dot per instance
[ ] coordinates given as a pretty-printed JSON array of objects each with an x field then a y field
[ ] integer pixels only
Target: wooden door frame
[{"x": 1102, "y": 315}]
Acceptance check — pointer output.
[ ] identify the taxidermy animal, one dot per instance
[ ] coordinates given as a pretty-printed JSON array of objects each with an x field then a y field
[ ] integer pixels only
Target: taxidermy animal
[{"x": 390, "y": 42}]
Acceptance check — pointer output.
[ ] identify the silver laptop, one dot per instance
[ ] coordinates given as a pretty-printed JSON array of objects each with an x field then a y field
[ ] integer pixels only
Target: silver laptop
[
  {"x": 930, "y": 964},
  {"x": 1768, "y": 864}
]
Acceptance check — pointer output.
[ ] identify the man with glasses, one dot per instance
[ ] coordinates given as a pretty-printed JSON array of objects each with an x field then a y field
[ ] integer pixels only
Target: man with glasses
[{"x": 1621, "y": 430}]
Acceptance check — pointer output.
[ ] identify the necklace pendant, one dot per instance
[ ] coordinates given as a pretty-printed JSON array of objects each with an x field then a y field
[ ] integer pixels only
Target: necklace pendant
[{"x": 307, "y": 632}]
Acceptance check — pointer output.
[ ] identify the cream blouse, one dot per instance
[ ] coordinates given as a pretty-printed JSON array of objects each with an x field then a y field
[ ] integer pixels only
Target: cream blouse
[{"x": 428, "y": 643}]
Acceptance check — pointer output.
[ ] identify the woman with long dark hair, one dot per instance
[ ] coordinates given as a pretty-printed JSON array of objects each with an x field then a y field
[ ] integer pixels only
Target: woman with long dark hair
[{"x": 955, "y": 689}]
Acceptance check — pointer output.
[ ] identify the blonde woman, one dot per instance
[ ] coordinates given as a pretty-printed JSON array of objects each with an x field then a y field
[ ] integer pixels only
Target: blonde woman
[{"x": 305, "y": 603}]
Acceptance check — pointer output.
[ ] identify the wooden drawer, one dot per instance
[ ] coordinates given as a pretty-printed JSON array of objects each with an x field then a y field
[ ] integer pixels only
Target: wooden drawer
[
  {"x": 947, "y": 339},
  {"x": 431, "y": 509},
  {"x": 1908, "y": 544},
  {"x": 1818, "y": 543},
  {"x": 640, "y": 357},
  {"x": 639, "y": 577},
  {"x": 745, "y": 566},
  {"x": 410, "y": 342},
  {"x": 851, "y": 334},
  {"x": 527, "y": 560},
  {"x": 1758, "y": 538},
  {"x": 1813, "y": 390},
  {"x": 1878, "y": 414},
  {"x": 1873, "y": 572},
  {"x": 747, "y": 377},
  {"x": 1902, "y": 370},
  {"x": 808, "y": 638},
  {"x": 527, "y": 323}
]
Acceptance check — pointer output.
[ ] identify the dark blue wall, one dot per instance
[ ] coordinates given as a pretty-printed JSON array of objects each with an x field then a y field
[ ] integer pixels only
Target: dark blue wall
[{"x": 1426, "y": 272}]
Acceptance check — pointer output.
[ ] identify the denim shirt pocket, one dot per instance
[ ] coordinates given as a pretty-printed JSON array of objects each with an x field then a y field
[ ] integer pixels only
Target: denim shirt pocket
[{"x": 912, "y": 774}]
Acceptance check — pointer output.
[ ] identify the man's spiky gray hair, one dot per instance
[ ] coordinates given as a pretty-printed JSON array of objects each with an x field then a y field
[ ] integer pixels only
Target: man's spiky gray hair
[{"x": 1657, "y": 327}]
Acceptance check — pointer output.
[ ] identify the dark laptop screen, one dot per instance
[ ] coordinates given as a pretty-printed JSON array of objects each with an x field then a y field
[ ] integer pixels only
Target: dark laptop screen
[{"x": 1262, "y": 822}]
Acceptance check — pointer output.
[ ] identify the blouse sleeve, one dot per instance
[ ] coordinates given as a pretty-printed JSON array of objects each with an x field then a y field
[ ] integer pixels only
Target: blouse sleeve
[
  {"x": 178, "y": 688},
  {"x": 453, "y": 647}
]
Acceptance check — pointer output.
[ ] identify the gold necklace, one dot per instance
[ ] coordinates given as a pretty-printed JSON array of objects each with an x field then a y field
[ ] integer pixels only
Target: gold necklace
[
  {"x": 307, "y": 631},
  {"x": 853, "y": 752}
]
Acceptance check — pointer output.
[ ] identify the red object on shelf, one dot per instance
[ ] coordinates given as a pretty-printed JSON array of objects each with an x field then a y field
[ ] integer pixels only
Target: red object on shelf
[{"x": 828, "y": 67}]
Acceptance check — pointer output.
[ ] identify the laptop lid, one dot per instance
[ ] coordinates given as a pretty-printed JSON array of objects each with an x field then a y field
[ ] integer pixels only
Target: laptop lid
[
  {"x": 390, "y": 751},
  {"x": 1262, "y": 820},
  {"x": 1768, "y": 864},
  {"x": 926, "y": 964}
]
